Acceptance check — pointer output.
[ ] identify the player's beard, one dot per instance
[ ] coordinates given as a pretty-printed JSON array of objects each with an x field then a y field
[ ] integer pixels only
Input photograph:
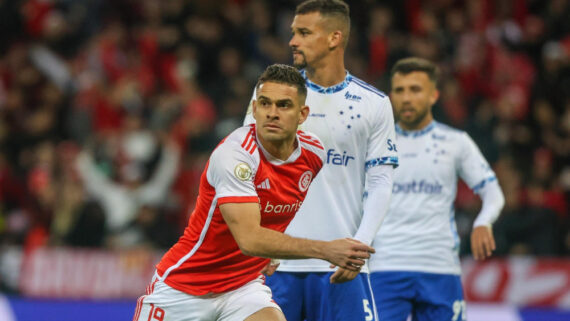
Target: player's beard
[
  {"x": 414, "y": 121},
  {"x": 302, "y": 64}
]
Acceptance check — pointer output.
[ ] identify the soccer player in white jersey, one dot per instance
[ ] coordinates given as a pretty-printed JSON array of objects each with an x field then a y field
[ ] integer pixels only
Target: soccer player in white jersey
[
  {"x": 254, "y": 183},
  {"x": 416, "y": 266},
  {"x": 355, "y": 123}
]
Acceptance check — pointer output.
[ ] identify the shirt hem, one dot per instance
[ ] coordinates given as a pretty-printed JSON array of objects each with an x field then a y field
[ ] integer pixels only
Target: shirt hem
[{"x": 415, "y": 269}]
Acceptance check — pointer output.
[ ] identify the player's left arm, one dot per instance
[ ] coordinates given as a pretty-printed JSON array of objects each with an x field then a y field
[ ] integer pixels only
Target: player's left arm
[
  {"x": 482, "y": 240},
  {"x": 381, "y": 159},
  {"x": 477, "y": 173},
  {"x": 380, "y": 163}
]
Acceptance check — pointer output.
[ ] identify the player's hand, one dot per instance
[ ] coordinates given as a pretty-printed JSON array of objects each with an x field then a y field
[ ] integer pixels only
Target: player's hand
[
  {"x": 348, "y": 253},
  {"x": 342, "y": 275},
  {"x": 270, "y": 268},
  {"x": 482, "y": 242}
]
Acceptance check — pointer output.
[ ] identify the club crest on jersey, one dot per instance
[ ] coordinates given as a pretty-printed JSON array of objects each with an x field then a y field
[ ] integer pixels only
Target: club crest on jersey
[
  {"x": 305, "y": 180},
  {"x": 242, "y": 171}
]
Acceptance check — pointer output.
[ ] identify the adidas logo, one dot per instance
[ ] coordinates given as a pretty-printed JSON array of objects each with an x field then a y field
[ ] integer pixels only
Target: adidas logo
[{"x": 264, "y": 184}]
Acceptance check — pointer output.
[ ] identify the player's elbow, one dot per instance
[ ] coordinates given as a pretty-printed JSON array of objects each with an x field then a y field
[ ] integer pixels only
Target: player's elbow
[
  {"x": 247, "y": 245},
  {"x": 500, "y": 201}
]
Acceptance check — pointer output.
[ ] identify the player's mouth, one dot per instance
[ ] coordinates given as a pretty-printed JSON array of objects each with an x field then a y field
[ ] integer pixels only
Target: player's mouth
[
  {"x": 272, "y": 126},
  {"x": 407, "y": 112}
]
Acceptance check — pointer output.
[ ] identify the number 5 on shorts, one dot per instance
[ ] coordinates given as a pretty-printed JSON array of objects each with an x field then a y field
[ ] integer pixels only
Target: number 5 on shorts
[{"x": 369, "y": 315}]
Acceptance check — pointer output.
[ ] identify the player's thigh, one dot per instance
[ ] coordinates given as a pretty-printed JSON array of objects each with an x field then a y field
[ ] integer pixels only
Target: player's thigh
[
  {"x": 335, "y": 302},
  {"x": 287, "y": 288},
  {"x": 245, "y": 302},
  {"x": 440, "y": 298},
  {"x": 393, "y": 294},
  {"x": 168, "y": 304},
  {"x": 267, "y": 314}
]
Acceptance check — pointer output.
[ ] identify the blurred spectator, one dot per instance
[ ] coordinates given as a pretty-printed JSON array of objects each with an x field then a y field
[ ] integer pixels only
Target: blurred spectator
[
  {"x": 528, "y": 228},
  {"x": 133, "y": 75},
  {"x": 133, "y": 186}
]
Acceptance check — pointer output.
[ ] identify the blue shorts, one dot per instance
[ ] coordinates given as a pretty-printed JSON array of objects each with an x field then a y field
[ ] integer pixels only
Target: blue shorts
[
  {"x": 311, "y": 297},
  {"x": 426, "y": 296}
]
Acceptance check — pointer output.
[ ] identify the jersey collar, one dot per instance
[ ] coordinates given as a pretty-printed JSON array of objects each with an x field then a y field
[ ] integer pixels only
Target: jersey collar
[
  {"x": 327, "y": 90},
  {"x": 276, "y": 161},
  {"x": 415, "y": 133}
]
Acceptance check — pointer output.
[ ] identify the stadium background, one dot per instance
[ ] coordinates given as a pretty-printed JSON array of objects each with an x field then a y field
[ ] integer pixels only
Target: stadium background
[{"x": 109, "y": 110}]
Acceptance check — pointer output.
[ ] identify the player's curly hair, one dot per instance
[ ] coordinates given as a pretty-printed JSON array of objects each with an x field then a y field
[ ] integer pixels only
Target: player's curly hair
[{"x": 284, "y": 74}]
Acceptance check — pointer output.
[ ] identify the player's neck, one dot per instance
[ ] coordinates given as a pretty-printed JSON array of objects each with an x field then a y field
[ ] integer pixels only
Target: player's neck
[
  {"x": 281, "y": 150},
  {"x": 416, "y": 127},
  {"x": 328, "y": 72}
]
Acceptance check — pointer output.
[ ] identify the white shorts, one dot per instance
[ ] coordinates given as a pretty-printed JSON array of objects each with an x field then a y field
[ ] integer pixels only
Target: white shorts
[{"x": 165, "y": 303}]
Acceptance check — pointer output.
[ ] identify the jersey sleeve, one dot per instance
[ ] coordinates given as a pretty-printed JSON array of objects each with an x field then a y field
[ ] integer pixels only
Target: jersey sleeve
[
  {"x": 231, "y": 172},
  {"x": 473, "y": 167},
  {"x": 249, "y": 113},
  {"x": 382, "y": 140}
]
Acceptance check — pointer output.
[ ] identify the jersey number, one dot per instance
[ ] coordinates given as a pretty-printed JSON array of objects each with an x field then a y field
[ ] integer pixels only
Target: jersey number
[
  {"x": 369, "y": 315},
  {"x": 156, "y": 313},
  {"x": 459, "y": 307}
]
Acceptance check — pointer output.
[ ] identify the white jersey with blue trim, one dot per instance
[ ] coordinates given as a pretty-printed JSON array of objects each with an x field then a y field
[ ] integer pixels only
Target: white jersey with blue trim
[
  {"x": 419, "y": 232},
  {"x": 355, "y": 123}
]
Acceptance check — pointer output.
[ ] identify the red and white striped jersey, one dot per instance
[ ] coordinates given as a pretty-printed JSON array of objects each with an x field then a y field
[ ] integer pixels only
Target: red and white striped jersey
[{"x": 207, "y": 259}]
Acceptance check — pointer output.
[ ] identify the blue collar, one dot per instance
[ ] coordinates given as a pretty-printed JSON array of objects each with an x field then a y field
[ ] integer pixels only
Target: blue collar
[
  {"x": 327, "y": 90},
  {"x": 415, "y": 133}
]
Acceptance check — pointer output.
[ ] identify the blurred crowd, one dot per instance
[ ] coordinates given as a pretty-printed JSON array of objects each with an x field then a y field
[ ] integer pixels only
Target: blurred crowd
[{"x": 109, "y": 109}]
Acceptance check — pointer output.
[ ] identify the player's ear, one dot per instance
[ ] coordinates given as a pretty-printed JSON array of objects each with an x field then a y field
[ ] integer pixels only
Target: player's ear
[
  {"x": 304, "y": 114},
  {"x": 335, "y": 39},
  {"x": 434, "y": 97},
  {"x": 254, "y": 108}
]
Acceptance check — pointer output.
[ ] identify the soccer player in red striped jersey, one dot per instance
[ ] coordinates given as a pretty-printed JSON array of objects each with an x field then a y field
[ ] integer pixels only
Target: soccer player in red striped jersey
[{"x": 254, "y": 183}]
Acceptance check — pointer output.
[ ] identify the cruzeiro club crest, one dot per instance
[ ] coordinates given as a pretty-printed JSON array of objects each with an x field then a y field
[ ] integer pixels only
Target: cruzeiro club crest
[
  {"x": 242, "y": 171},
  {"x": 305, "y": 180}
]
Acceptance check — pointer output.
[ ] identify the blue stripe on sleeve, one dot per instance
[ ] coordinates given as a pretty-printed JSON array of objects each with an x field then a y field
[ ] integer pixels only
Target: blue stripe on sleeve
[{"x": 392, "y": 160}]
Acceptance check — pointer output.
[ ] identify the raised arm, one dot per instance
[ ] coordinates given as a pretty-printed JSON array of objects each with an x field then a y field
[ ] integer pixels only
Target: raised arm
[{"x": 243, "y": 220}]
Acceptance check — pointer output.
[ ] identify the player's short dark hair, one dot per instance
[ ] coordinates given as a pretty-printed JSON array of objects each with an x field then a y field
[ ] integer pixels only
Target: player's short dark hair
[
  {"x": 411, "y": 64},
  {"x": 336, "y": 9},
  {"x": 284, "y": 74}
]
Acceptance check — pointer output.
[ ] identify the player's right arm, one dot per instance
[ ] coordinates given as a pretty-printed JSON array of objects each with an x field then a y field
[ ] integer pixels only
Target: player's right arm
[{"x": 243, "y": 220}]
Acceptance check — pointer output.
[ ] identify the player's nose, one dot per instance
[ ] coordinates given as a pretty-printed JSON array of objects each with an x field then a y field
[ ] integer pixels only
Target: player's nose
[
  {"x": 293, "y": 43},
  {"x": 272, "y": 112}
]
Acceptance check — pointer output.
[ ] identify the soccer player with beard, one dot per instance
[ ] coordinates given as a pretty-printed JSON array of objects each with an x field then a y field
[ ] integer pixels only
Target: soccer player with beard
[
  {"x": 416, "y": 266},
  {"x": 355, "y": 122}
]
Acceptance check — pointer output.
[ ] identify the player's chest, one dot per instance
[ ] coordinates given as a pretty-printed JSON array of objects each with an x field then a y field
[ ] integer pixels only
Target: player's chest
[
  {"x": 426, "y": 156},
  {"x": 282, "y": 189},
  {"x": 337, "y": 121}
]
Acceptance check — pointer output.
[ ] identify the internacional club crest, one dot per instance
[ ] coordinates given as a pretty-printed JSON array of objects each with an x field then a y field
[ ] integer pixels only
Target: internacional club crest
[
  {"x": 305, "y": 180},
  {"x": 243, "y": 171}
]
